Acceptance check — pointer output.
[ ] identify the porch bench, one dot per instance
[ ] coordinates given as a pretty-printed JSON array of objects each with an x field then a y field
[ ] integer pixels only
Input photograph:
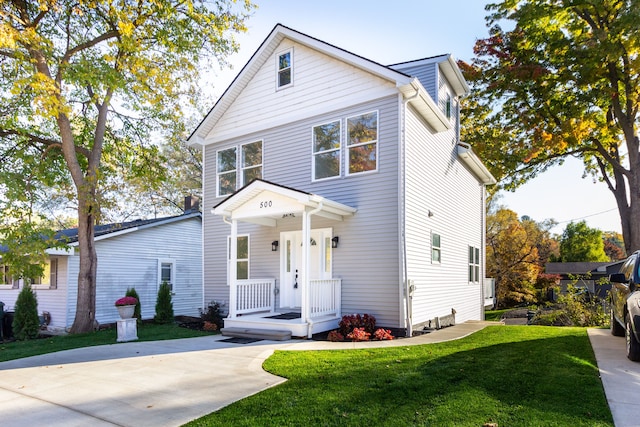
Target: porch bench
[{"x": 264, "y": 334}]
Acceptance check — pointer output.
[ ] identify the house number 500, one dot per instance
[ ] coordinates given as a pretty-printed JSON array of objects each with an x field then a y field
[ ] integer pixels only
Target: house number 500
[{"x": 266, "y": 204}]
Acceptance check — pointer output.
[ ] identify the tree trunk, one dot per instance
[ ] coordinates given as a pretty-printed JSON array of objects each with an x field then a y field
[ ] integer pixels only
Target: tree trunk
[{"x": 86, "y": 302}]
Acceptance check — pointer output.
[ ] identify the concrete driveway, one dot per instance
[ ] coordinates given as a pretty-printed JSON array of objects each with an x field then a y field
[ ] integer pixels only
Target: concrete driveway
[
  {"x": 620, "y": 377},
  {"x": 169, "y": 383}
]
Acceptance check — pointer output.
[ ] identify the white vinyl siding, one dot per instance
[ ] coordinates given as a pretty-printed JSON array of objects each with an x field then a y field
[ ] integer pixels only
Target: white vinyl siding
[
  {"x": 131, "y": 260},
  {"x": 369, "y": 276},
  {"x": 322, "y": 84},
  {"x": 454, "y": 197}
]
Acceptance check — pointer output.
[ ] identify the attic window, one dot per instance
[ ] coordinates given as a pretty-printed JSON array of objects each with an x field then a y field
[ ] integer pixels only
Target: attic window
[{"x": 285, "y": 69}]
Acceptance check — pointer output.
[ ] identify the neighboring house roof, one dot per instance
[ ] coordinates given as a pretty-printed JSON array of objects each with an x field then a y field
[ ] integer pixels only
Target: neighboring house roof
[
  {"x": 578, "y": 267},
  {"x": 409, "y": 86},
  {"x": 103, "y": 231}
]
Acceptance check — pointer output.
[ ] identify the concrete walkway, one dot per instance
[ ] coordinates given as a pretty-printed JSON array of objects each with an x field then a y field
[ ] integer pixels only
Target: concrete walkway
[
  {"x": 620, "y": 377},
  {"x": 168, "y": 383},
  {"x": 159, "y": 383}
]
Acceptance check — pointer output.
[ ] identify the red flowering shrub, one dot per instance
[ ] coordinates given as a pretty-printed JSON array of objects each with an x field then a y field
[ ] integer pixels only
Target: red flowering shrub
[
  {"x": 335, "y": 336},
  {"x": 359, "y": 334},
  {"x": 383, "y": 334},
  {"x": 351, "y": 321},
  {"x": 209, "y": 326}
]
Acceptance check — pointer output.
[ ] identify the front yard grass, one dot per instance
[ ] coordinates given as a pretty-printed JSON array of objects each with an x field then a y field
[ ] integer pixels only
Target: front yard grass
[
  {"x": 512, "y": 376},
  {"x": 146, "y": 332}
]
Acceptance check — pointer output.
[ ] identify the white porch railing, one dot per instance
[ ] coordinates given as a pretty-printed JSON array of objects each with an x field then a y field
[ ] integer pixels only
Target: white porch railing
[
  {"x": 325, "y": 297},
  {"x": 254, "y": 295}
]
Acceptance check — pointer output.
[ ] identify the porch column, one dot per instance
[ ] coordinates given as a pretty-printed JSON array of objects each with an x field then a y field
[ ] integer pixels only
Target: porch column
[
  {"x": 304, "y": 305},
  {"x": 233, "y": 270}
]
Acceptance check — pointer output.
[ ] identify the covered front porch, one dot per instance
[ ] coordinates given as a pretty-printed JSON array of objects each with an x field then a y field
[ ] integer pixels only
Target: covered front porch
[{"x": 306, "y": 298}]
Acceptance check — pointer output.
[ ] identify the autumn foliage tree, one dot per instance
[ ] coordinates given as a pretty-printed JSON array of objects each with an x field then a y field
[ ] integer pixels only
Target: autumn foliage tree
[
  {"x": 84, "y": 84},
  {"x": 581, "y": 243},
  {"x": 514, "y": 248},
  {"x": 558, "y": 78}
]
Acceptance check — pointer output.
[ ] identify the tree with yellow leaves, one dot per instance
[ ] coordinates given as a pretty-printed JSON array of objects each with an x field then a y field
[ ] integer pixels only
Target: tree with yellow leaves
[
  {"x": 84, "y": 85},
  {"x": 562, "y": 80}
]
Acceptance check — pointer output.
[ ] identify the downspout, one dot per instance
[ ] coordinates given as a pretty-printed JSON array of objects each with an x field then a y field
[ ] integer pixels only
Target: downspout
[
  {"x": 402, "y": 203},
  {"x": 306, "y": 234}
]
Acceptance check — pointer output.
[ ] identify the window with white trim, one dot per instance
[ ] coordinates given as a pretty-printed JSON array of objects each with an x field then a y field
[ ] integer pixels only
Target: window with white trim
[
  {"x": 167, "y": 272},
  {"x": 474, "y": 264},
  {"x": 327, "y": 141},
  {"x": 436, "y": 249},
  {"x": 238, "y": 166},
  {"x": 285, "y": 69},
  {"x": 242, "y": 256},
  {"x": 6, "y": 281},
  {"x": 49, "y": 278},
  {"x": 362, "y": 143}
]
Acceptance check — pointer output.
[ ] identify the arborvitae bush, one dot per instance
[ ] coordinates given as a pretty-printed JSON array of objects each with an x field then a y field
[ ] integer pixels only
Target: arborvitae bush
[
  {"x": 131, "y": 292},
  {"x": 164, "y": 305},
  {"x": 25, "y": 320}
]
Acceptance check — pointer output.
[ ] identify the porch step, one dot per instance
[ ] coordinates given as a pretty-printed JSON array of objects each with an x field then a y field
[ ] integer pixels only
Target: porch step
[{"x": 263, "y": 334}]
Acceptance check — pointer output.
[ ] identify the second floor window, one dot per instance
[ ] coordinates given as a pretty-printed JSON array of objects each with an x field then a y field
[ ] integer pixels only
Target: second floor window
[
  {"x": 362, "y": 143},
  {"x": 229, "y": 177},
  {"x": 326, "y": 150}
]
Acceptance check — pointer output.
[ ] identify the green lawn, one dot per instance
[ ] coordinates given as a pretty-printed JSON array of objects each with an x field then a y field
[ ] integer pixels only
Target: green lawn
[
  {"x": 146, "y": 332},
  {"x": 495, "y": 315},
  {"x": 512, "y": 376}
]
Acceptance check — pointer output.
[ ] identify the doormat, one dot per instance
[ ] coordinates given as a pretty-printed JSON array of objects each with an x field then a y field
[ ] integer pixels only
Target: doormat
[
  {"x": 285, "y": 316},
  {"x": 240, "y": 340}
]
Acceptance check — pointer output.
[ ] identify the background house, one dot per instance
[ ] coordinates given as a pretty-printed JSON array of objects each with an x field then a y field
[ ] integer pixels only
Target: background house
[
  {"x": 139, "y": 254},
  {"x": 340, "y": 185},
  {"x": 590, "y": 275}
]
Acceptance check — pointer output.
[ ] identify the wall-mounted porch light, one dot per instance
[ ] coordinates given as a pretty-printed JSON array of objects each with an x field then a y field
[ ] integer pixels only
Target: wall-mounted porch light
[
  {"x": 334, "y": 242},
  {"x": 274, "y": 246}
]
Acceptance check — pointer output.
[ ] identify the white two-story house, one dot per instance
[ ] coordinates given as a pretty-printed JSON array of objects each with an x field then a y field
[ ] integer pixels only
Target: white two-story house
[{"x": 335, "y": 185}]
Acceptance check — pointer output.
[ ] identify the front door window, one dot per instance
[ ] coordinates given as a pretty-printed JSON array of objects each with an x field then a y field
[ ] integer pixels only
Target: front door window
[{"x": 292, "y": 263}]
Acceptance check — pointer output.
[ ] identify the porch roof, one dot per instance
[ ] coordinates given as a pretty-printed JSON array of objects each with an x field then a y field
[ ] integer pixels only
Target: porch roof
[{"x": 263, "y": 202}]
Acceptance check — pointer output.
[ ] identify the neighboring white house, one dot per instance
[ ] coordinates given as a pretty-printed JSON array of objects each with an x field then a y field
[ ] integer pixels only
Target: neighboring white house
[
  {"x": 138, "y": 254},
  {"x": 336, "y": 185}
]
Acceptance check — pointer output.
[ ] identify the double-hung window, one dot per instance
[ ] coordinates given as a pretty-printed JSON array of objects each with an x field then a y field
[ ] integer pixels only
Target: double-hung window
[
  {"x": 436, "y": 250},
  {"x": 474, "y": 264},
  {"x": 227, "y": 171},
  {"x": 242, "y": 256},
  {"x": 362, "y": 143},
  {"x": 166, "y": 272},
  {"x": 326, "y": 150},
  {"x": 234, "y": 172},
  {"x": 251, "y": 162},
  {"x": 285, "y": 69}
]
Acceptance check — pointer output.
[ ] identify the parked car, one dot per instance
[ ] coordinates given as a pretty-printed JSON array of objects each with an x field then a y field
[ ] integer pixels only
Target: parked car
[{"x": 625, "y": 304}]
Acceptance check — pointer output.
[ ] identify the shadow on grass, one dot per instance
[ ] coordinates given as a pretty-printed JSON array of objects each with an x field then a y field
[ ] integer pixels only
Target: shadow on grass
[{"x": 512, "y": 376}]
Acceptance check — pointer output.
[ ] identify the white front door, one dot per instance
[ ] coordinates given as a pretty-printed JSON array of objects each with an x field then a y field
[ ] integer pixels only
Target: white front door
[{"x": 291, "y": 263}]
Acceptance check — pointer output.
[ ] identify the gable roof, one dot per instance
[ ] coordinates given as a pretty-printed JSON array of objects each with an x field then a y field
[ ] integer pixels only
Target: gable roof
[
  {"x": 448, "y": 67},
  {"x": 246, "y": 204},
  {"x": 409, "y": 86},
  {"x": 105, "y": 231}
]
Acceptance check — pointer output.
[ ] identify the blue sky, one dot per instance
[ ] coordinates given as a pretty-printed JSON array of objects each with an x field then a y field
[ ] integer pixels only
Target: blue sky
[{"x": 389, "y": 32}]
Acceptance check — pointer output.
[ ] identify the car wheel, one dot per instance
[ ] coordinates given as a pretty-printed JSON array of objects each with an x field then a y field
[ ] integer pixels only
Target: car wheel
[
  {"x": 617, "y": 329},
  {"x": 633, "y": 346}
]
